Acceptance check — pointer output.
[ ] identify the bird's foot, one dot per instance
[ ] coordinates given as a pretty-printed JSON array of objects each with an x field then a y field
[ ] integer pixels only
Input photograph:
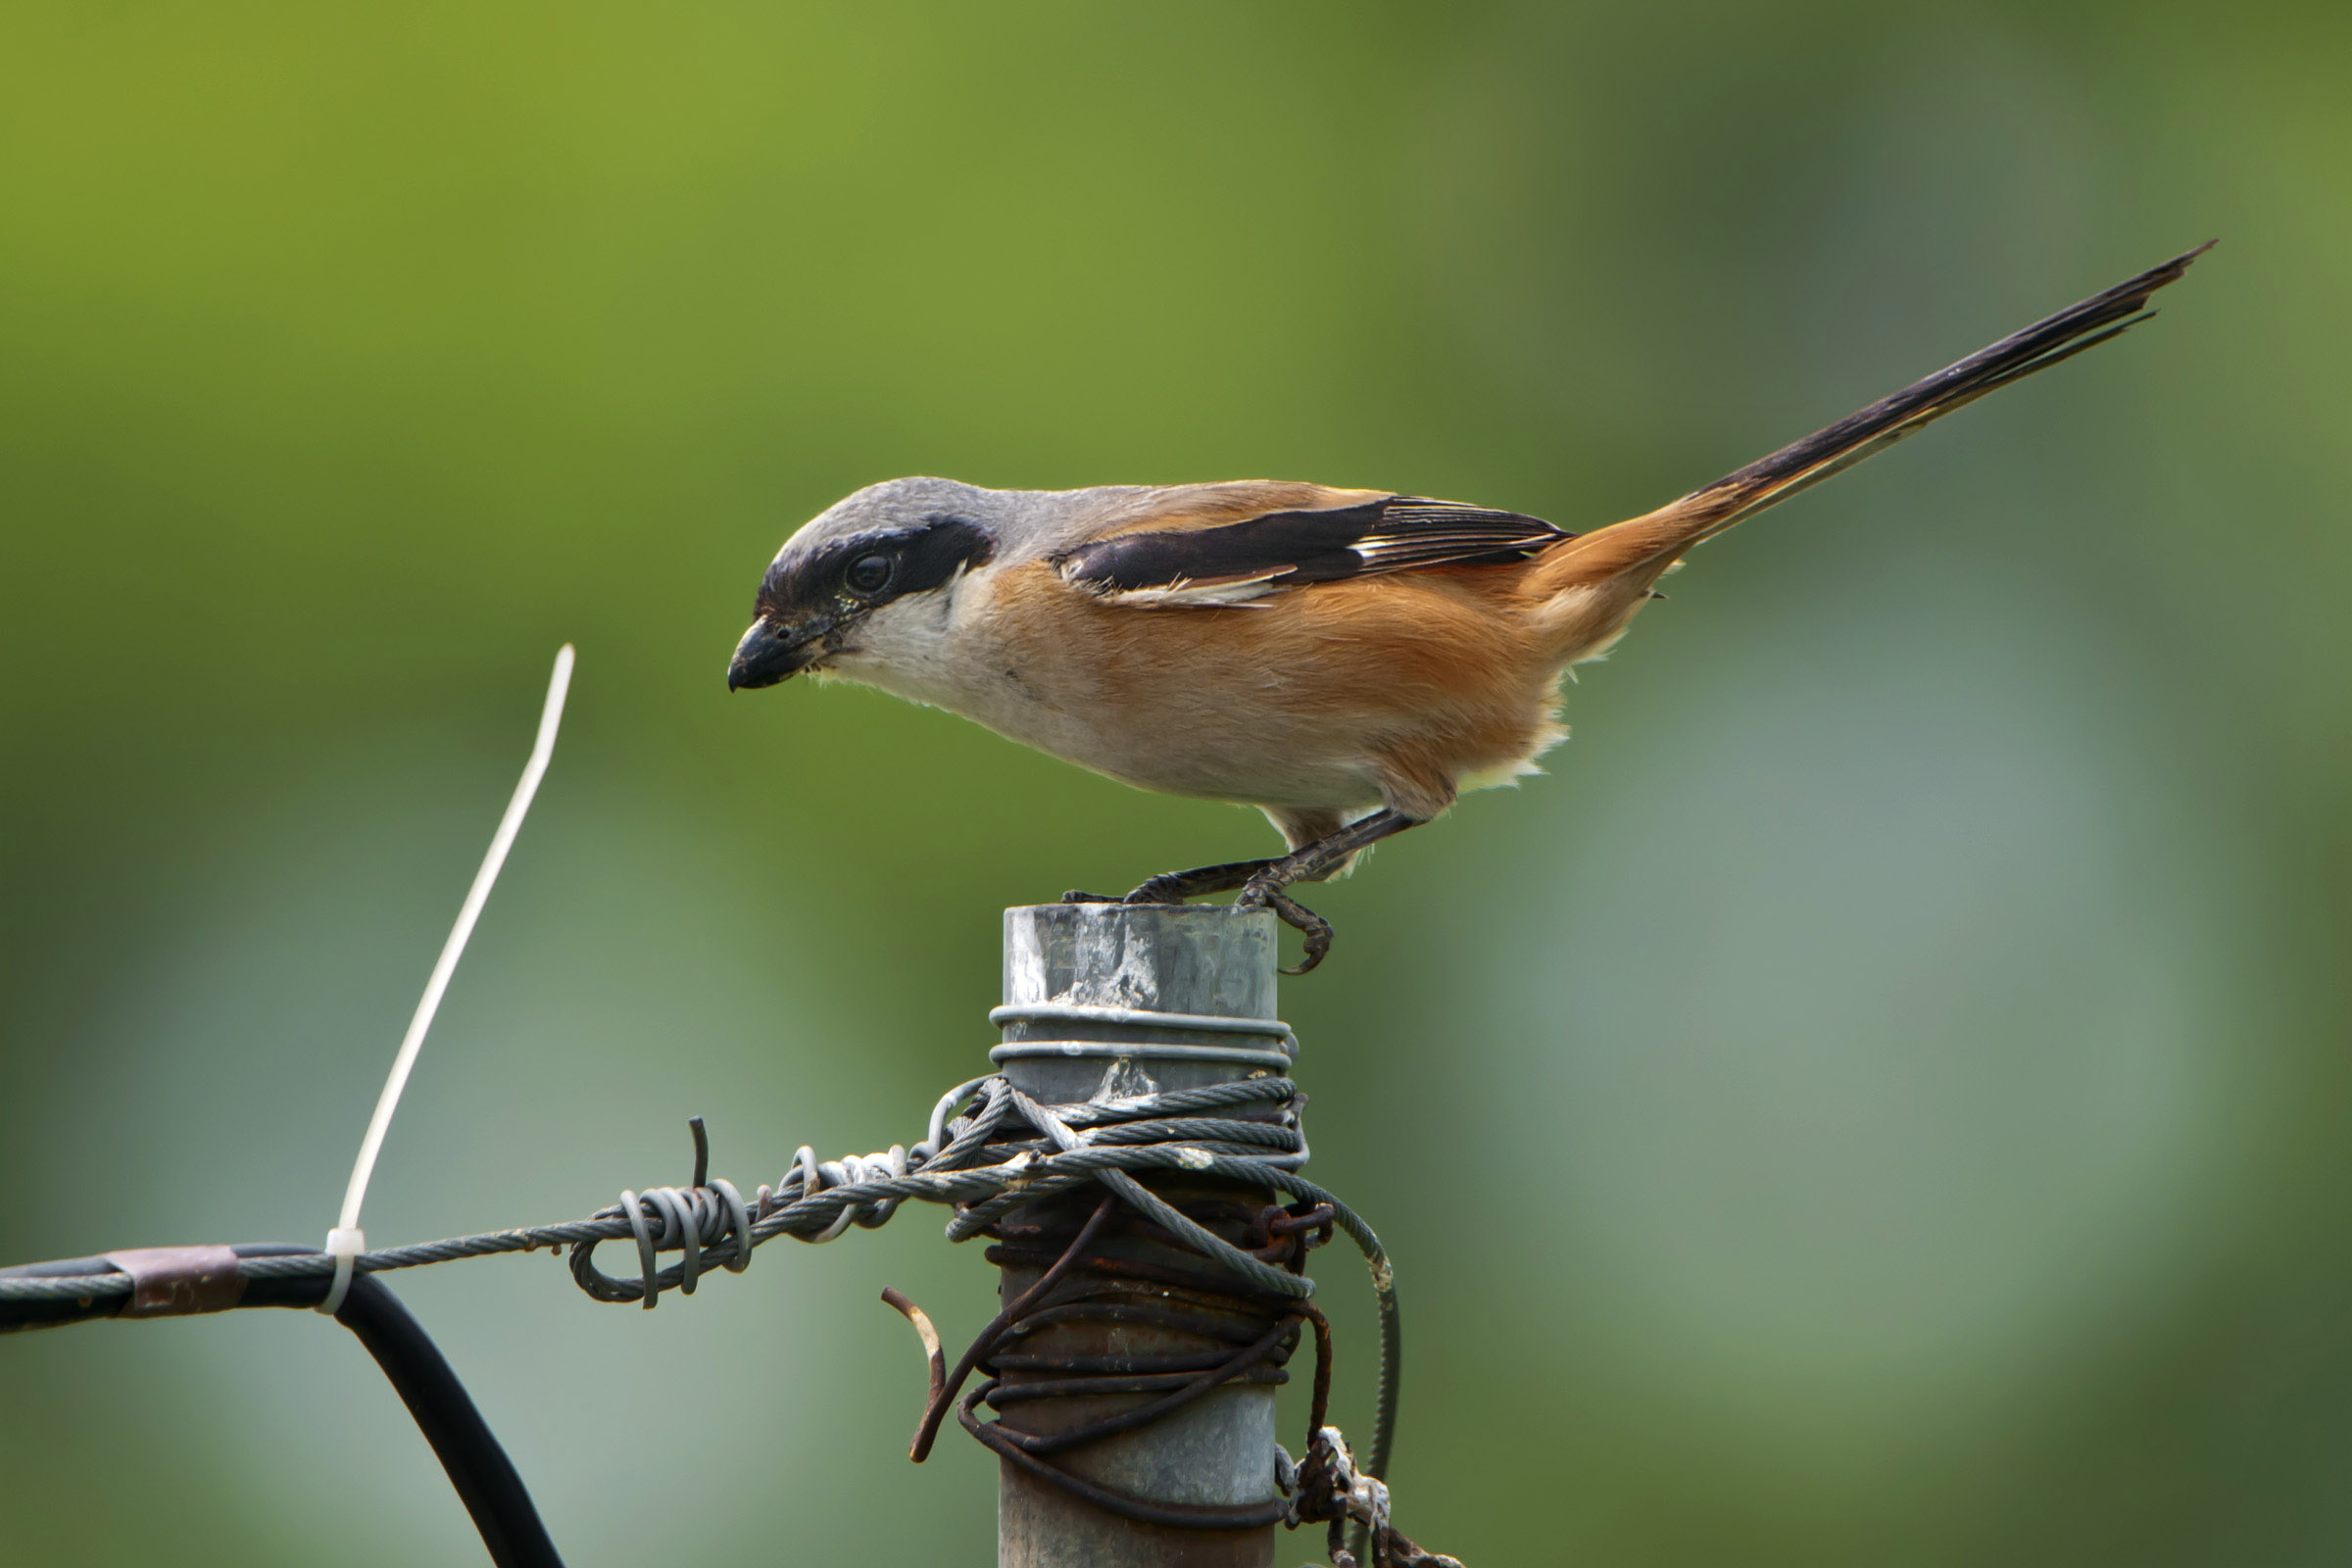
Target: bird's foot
[
  {"x": 1261, "y": 884},
  {"x": 1264, "y": 892},
  {"x": 1174, "y": 886}
]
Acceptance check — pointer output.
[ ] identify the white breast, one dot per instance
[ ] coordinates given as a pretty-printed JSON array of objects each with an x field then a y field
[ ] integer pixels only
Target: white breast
[{"x": 945, "y": 650}]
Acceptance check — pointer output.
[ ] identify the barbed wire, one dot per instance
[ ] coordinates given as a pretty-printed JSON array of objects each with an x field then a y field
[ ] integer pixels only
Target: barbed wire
[{"x": 988, "y": 1148}]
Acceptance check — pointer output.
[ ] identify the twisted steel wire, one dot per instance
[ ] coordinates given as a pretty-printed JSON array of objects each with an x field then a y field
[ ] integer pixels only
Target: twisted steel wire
[{"x": 1003, "y": 1151}]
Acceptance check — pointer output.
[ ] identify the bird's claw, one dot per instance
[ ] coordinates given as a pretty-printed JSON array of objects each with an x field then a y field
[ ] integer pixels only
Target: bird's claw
[{"x": 1290, "y": 912}]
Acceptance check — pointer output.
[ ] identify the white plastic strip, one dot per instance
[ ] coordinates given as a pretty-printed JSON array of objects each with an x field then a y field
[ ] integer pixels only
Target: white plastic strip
[{"x": 347, "y": 1241}]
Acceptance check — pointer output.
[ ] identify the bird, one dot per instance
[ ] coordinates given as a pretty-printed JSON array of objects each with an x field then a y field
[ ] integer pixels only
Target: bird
[{"x": 1347, "y": 661}]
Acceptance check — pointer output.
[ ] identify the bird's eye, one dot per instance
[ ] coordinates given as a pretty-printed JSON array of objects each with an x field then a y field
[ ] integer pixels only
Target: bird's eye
[{"x": 869, "y": 575}]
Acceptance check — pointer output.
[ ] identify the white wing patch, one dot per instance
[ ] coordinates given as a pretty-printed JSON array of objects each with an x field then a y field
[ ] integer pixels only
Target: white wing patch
[{"x": 1207, "y": 593}]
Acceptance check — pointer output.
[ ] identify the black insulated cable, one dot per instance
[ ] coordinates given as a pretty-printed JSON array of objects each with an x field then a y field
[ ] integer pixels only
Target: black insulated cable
[{"x": 485, "y": 1479}]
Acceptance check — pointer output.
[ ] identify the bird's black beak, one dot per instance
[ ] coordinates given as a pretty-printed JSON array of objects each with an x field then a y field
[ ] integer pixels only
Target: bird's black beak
[{"x": 770, "y": 653}]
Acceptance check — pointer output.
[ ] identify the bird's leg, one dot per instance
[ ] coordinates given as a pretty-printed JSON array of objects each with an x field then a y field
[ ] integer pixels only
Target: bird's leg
[
  {"x": 1174, "y": 886},
  {"x": 1312, "y": 862}
]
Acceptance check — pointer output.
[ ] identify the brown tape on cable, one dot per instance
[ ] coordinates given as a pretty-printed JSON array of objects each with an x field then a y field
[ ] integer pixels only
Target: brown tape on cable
[{"x": 174, "y": 1281}]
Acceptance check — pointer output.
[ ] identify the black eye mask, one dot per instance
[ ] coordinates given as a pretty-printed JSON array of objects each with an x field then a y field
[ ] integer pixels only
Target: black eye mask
[{"x": 922, "y": 558}]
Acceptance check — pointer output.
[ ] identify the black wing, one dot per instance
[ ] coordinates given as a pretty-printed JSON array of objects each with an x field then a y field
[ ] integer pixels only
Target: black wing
[{"x": 1278, "y": 549}]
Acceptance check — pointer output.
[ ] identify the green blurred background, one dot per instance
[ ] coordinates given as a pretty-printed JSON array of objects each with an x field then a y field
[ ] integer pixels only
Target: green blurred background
[{"x": 1882, "y": 1099}]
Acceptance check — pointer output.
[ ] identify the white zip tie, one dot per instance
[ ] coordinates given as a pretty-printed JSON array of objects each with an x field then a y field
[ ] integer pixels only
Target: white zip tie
[{"x": 346, "y": 1242}]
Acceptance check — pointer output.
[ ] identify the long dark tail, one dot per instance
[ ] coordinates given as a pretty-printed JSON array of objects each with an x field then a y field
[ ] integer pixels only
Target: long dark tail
[{"x": 1657, "y": 538}]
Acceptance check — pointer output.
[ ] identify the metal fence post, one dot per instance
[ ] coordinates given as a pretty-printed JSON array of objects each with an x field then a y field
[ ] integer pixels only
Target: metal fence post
[{"x": 1218, "y": 1451}]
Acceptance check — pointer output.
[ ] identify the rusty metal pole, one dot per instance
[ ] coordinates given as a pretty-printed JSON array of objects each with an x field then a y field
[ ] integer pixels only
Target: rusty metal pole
[{"x": 1069, "y": 970}]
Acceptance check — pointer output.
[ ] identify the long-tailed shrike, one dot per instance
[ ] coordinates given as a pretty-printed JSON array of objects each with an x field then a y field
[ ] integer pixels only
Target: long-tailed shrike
[{"x": 1347, "y": 661}]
